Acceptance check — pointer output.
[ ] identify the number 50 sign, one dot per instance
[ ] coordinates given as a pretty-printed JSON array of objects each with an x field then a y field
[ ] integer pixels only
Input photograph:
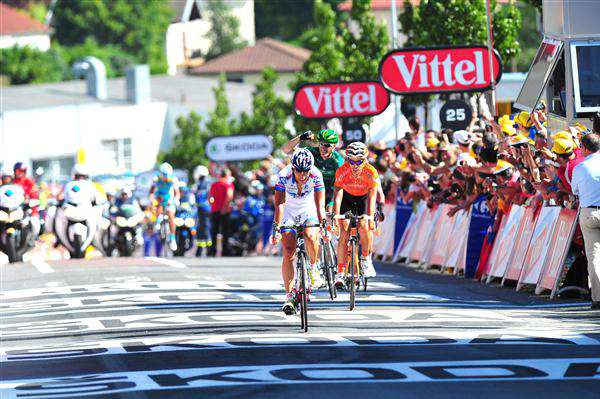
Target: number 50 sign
[{"x": 455, "y": 115}]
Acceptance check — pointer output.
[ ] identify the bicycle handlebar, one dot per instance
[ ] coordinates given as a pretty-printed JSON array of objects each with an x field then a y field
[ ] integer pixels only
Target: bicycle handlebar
[{"x": 350, "y": 216}]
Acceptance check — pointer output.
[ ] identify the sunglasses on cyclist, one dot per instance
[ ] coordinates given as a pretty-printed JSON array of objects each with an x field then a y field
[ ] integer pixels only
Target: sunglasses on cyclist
[
  {"x": 351, "y": 162},
  {"x": 326, "y": 145}
]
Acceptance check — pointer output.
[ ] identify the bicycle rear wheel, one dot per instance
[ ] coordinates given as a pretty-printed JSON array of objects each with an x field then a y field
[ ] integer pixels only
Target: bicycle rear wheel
[
  {"x": 328, "y": 264},
  {"x": 361, "y": 269},
  {"x": 352, "y": 277},
  {"x": 303, "y": 293}
]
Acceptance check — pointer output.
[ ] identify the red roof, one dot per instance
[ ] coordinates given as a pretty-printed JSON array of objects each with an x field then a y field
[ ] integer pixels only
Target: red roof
[
  {"x": 386, "y": 4},
  {"x": 14, "y": 22},
  {"x": 280, "y": 56}
]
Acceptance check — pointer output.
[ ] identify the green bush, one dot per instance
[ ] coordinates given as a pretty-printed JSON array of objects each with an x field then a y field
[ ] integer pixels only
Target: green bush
[
  {"x": 115, "y": 60},
  {"x": 23, "y": 65}
]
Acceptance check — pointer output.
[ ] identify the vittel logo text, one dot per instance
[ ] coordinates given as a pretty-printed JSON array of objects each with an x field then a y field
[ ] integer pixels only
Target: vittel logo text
[
  {"x": 439, "y": 70},
  {"x": 328, "y": 100}
]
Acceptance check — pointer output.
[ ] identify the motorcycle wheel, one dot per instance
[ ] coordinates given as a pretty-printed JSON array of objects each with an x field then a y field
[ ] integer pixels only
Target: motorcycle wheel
[
  {"x": 77, "y": 253},
  {"x": 11, "y": 249},
  {"x": 126, "y": 248}
]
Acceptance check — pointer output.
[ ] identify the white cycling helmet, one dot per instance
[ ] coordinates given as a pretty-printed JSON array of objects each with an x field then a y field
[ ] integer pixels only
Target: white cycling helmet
[
  {"x": 302, "y": 160},
  {"x": 357, "y": 150},
  {"x": 165, "y": 169},
  {"x": 80, "y": 170},
  {"x": 200, "y": 171}
]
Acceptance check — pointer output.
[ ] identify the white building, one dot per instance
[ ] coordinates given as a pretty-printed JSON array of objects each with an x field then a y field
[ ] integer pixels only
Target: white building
[
  {"x": 44, "y": 125},
  {"x": 186, "y": 36},
  {"x": 21, "y": 30}
]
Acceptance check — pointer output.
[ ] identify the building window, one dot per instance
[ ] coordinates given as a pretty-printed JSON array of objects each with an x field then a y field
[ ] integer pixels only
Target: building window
[
  {"x": 234, "y": 77},
  {"x": 541, "y": 68},
  {"x": 116, "y": 155},
  {"x": 52, "y": 169},
  {"x": 585, "y": 59}
]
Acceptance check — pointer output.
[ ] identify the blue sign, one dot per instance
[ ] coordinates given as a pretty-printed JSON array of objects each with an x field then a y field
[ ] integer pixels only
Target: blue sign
[
  {"x": 403, "y": 212},
  {"x": 481, "y": 219}
]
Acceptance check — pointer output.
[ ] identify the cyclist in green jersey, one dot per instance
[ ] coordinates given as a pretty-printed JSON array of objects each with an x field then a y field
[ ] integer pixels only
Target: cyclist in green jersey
[{"x": 327, "y": 159}]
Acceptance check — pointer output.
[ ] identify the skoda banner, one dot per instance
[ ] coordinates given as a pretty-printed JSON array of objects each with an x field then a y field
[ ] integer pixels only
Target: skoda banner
[{"x": 238, "y": 148}]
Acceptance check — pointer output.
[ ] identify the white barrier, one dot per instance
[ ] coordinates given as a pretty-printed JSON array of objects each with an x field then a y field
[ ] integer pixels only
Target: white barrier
[{"x": 530, "y": 247}]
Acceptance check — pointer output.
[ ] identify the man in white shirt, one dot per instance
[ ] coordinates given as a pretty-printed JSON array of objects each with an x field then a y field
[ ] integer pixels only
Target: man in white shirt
[{"x": 585, "y": 183}]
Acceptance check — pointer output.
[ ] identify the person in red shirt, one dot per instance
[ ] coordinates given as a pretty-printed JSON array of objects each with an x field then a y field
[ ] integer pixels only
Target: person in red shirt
[
  {"x": 28, "y": 186},
  {"x": 568, "y": 156},
  {"x": 221, "y": 194}
]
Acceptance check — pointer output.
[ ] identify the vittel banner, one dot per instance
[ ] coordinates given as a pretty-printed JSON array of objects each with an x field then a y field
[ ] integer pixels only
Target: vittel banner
[
  {"x": 435, "y": 70},
  {"x": 340, "y": 99}
]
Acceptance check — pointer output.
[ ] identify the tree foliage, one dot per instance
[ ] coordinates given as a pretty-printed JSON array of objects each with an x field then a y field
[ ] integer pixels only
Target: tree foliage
[
  {"x": 187, "y": 150},
  {"x": 23, "y": 65},
  {"x": 340, "y": 55},
  {"x": 269, "y": 111},
  {"x": 224, "y": 34},
  {"x": 458, "y": 22},
  {"x": 287, "y": 20},
  {"x": 269, "y": 115},
  {"x": 138, "y": 27},
  {"x": 114, "y": 58}
]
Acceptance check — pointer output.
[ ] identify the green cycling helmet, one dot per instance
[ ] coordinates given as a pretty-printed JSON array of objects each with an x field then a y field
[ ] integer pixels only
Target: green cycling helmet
[{"x": 327, "y": 136}]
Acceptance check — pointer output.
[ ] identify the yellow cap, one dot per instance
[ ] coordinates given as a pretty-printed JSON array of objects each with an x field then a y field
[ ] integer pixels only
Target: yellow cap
[
  {"x": 501, "y": 166},
  {"x": 403, "y": 164},
  {"x": 432, "y": 143},
  {"x": 505, "y": 120},
  {"x": 518, "y": 139},
  {"x": 563, "y": 135},
  {"x": 523, "y": 119},
  {"x": 509, "y": 129},
  {"x": 563, "y": 146}
]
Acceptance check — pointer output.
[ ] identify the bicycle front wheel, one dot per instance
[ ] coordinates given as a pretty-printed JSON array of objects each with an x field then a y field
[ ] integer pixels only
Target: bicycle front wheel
[
  {"x": 303, "y": 293},
  {"x": 353, "y": 276}
]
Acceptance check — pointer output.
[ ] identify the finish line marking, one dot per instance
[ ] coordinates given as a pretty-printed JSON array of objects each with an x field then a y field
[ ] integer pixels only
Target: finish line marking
[
  {"x": 167, "y": 262},
  {"x": 42, "y": 266}
]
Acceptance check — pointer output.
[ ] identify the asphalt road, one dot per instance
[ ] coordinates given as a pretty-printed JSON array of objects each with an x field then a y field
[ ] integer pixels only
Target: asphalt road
[{"x": 191, "y": 328}]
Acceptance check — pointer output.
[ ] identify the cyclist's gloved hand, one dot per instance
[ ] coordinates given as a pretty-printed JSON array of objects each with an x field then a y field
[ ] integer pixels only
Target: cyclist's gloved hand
[
  {"x": 276, "y": 237},
  {"x": 308, "y": 135},
  {"x": 379, "y": 214}
]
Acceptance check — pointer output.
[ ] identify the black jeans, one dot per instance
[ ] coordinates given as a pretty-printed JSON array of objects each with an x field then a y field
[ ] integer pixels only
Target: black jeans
[{"x": 220, "y": 223}]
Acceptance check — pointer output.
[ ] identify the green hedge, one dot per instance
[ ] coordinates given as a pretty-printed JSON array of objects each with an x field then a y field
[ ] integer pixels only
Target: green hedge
[{"x": 22, "y": 65}]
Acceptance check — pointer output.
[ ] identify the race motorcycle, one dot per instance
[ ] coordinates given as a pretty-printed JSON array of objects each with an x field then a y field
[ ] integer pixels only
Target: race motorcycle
[
  {"x": 186, "y": 216},
  {"x": 15, "y": 223},
  {"x": 76, "y": 220},
  {"x": 128, "y": 218}
]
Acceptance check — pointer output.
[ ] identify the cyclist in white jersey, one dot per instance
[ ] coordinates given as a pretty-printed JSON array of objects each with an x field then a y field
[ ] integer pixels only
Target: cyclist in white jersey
[{"x": 299, "y": 192}]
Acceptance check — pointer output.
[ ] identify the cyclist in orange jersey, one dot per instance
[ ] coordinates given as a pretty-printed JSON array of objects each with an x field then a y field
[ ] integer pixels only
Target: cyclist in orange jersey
[{"x": 355, "y": 190}]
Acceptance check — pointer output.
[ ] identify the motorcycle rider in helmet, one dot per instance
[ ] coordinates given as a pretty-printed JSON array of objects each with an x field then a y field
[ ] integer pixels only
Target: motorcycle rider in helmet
[{"x": 28, "y": 186}]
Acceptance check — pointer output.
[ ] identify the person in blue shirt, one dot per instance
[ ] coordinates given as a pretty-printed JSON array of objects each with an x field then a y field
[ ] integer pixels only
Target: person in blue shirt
[
  {"x": 586, "y": 185},
  {"x": 203, "y": 238},
  {"x": 166, "y": 192}
]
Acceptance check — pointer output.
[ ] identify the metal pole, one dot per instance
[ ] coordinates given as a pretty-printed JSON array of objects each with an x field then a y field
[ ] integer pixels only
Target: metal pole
[
  {"x": 490, "y": 54},
  {"x": 396, "y": 98}
]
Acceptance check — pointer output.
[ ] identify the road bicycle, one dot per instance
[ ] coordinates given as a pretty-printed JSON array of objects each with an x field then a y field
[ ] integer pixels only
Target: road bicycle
[
  {"x": 302, "y": 286},
  {"x": 329, "y": 264},
  {"x": 356, "y": 265},
  {"x": 164, "y": 230}
]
